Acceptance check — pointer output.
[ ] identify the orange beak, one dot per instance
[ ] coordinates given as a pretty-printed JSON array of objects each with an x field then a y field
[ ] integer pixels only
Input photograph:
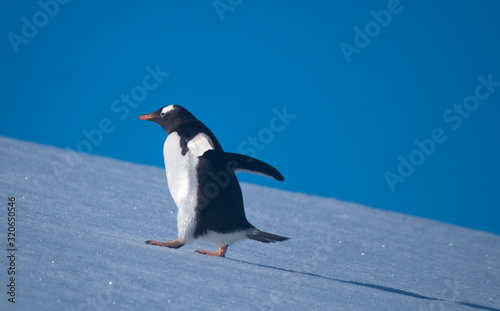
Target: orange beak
[{"x": 146, "y": 116}]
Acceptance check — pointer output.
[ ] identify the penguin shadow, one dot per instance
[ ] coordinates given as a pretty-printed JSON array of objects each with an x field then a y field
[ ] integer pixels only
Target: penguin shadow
[{"x": 367, "y": 285}]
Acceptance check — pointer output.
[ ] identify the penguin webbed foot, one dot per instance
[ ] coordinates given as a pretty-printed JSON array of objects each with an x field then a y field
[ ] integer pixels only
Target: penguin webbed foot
[
  {"x": 220, "y": 253},
  {"x": 171, "y": 244}
]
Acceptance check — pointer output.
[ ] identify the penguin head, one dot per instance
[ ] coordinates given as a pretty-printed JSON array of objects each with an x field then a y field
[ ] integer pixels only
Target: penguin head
[{"x": 169, "y": 117}]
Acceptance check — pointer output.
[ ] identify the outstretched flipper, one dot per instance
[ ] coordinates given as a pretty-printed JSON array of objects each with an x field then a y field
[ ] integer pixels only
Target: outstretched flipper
[{"x": 252, "y": 165}]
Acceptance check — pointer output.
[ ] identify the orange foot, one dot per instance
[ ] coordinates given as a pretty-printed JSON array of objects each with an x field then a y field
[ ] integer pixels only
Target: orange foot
[
  {"x": 171, "y": 244},
  {"x": 220, "y": 253}
]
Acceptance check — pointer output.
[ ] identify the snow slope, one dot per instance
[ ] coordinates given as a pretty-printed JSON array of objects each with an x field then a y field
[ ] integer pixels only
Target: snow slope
[{"x": 80, "y": 239}]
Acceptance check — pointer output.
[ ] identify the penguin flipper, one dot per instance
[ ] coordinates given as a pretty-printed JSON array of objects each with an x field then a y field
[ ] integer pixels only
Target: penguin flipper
[{"x": 248, "y": 164}]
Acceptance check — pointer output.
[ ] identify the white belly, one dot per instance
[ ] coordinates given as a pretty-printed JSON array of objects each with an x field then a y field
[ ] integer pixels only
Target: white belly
[{"x": 183, "y": 185}]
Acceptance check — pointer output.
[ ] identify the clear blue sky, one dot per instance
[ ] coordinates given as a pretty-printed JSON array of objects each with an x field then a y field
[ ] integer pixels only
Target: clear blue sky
[{"x": 360, "y": 81}]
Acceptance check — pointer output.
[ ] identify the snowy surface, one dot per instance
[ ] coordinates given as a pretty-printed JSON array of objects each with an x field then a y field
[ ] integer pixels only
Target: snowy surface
[{"x": 81, "y": 246}]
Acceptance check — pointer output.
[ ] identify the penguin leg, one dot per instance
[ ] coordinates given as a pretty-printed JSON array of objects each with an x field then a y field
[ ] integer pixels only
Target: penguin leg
[
  {"x": 172, "y": 244},
  {"x": 220, "y": 253}
]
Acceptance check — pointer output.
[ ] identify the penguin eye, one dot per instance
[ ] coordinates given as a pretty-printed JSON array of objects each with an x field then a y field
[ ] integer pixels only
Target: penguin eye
[{"x": 162, "y": 114}]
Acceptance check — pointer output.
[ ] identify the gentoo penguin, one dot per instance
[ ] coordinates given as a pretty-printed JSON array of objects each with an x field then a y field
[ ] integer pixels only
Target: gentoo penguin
[{"x": 202, "y": 181}]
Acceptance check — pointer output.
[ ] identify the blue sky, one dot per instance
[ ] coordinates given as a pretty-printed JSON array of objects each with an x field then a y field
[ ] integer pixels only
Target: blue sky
[{"x": 343, "y": 97}]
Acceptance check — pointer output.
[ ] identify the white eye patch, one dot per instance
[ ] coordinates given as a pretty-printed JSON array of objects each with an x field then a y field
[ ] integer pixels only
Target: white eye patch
[{"x": 165, "y": 110}]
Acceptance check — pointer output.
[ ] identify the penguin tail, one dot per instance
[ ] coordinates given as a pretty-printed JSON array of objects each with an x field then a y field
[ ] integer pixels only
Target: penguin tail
[{"x": 265, "y": 237}]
